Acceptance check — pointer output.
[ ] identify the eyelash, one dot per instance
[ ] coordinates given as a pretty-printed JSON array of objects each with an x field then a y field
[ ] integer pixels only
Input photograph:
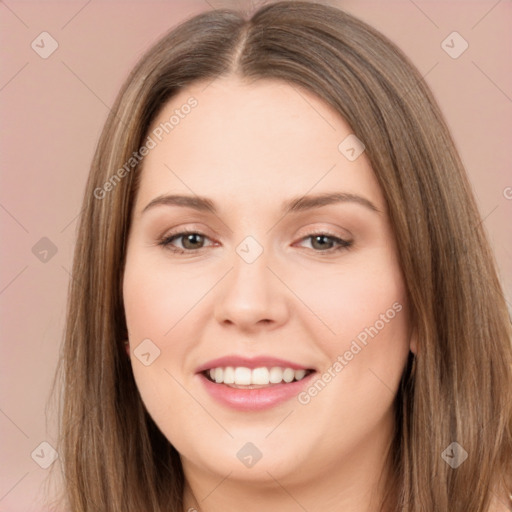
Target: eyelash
[{"x": 167, "y": 240}]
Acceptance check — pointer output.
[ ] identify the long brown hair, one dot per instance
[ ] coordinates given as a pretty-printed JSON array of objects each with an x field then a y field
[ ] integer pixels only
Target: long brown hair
[{"x": 459, "y": 386}]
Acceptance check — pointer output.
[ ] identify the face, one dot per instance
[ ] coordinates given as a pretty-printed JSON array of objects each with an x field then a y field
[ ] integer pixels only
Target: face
[{"x": 269, "y": 285}]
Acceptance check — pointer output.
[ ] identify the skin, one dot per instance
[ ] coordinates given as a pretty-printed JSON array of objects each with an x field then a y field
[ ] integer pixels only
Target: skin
[{"x": 250, "y": 147}]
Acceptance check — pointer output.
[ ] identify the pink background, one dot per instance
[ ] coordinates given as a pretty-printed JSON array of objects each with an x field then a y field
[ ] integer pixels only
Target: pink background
[{"x": 52, "y": 111}]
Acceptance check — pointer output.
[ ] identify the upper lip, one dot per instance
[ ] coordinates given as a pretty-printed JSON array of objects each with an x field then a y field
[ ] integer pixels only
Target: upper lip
[{"x": 253, "y": 362}]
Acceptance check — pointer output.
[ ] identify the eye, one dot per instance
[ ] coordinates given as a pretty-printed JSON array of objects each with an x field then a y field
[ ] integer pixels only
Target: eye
[
  {"x": 327, "y": 243},
  {"x": 192, "y": 240}
]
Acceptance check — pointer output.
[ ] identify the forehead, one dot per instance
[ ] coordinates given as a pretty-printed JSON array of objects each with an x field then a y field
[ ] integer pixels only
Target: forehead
[{"x": 244, "y": 140}]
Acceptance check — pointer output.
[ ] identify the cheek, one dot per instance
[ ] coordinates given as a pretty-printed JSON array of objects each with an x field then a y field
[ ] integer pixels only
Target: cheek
[
  {"x": 354, "y": 298},
  {"x": 366, "y": 308},
  {"x": 367, "y": 341},
  {"x": 162, "y": 304},
  {"x": 158, "y": 296},
  {"x": 152, "y": 309}
]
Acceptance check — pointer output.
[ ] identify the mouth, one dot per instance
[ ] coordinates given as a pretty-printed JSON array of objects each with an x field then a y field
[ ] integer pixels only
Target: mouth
[
  {"x": 253, "y": 384},
  {"x": 240, "y": 377}
]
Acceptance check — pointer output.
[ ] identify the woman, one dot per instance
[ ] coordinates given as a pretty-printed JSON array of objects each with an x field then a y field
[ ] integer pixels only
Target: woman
[{"x": 337, "y": 340}]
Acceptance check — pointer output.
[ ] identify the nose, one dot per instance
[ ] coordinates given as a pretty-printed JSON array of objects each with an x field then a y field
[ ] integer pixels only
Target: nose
[{"x": 252, "y": 297}]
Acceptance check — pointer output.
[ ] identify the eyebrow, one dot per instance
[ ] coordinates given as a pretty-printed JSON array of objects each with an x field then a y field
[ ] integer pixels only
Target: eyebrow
[{"x": 296, "y": 204}]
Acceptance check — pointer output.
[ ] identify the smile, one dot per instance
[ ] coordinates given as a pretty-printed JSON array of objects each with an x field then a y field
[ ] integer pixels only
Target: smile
[
  {"x": 241, "y": 377},
  {"x": 253, "y": 384}
]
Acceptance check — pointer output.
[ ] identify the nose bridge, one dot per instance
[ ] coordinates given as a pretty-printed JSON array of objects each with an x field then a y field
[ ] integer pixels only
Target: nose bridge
[
  {"x": 250, "y": 264},
  {"x": 251, "y": 293}
]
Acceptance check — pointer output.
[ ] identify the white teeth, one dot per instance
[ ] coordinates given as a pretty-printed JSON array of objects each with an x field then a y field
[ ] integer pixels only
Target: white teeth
[
  {"x": 288, "y": 375},
  {"x": 242, "y": 376},
  {"x": 229, "y": 375},
  {"x": 276, "y": 375},
  {"x": 300, "y": 374},
  {"x": 219, "y": 375},
  {"x": 260, "y": 376}
]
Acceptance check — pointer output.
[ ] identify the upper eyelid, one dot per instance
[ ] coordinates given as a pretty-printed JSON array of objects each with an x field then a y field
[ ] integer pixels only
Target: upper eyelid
[
  {"x": 191, "y": 228},
  {"x": 311, "y": 232}
]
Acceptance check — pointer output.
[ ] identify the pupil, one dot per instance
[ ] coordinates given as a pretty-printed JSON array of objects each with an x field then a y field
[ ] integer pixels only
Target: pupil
[
  {"x": 191, "y": 238},
  {"x": 321, "y": 237}
]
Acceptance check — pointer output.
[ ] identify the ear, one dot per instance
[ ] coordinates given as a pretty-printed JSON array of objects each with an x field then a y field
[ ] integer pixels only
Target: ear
[
  {"x": 127, "y": 347},
  {"x": 413, "y": 342}
]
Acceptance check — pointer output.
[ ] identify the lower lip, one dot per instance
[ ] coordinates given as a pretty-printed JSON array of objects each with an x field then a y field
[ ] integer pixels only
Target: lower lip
[{"x": 254, "y": 399}]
